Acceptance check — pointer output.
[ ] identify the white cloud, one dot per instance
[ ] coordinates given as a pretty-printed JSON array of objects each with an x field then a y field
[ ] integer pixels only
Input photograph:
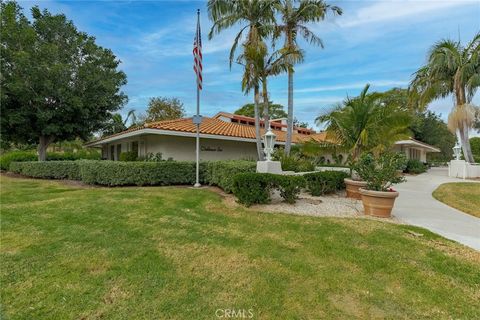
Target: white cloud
[
  {"x": 393, "y": 10},
  {"x": 358, "y": 85}
]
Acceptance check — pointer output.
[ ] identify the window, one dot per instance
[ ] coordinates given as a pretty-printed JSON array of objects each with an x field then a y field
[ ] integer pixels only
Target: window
[
  {"x": 119, "y": 150},
  {"x": 112, "y": 152},
  {"x": 135, "y": 147},
  {"x": 414, "y": 154}
]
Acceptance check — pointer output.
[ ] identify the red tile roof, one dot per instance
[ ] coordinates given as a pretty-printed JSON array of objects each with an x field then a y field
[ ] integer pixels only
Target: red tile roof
[{"x": 214, "y": 126}]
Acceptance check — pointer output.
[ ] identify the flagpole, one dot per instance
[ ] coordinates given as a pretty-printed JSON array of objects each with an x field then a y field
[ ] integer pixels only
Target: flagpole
[{"x": 197, "y": 155}]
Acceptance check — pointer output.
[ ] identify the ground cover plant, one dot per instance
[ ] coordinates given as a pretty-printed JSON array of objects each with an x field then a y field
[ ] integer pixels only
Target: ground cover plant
[
  {"x": 464, "y": 196},
  {"x": 71, "y": 252}
]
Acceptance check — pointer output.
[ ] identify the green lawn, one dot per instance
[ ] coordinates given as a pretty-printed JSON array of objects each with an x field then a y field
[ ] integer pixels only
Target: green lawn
[
  {"x": 69, "y": 252},
  {"x": 464, "y": 196}
]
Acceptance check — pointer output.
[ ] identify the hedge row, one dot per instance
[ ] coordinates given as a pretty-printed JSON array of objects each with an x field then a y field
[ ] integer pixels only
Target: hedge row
[
  {"x": 221, "y": 173},
  {"x": 31, "y": 155},
  {"x": 48, "y": 169},
  {"x": 255, "y": 188},
  {"x": 119, "y": 173}
]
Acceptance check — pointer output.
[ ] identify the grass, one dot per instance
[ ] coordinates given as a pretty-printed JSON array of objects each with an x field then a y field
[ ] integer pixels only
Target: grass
[
  {"x": 69, "y": 252},
  {"x": 464, "y": 196}
]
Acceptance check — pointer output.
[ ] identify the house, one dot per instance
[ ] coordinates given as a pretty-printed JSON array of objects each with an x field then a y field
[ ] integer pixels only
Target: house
[
  {"x": 224, "y": 136},
  {"x": 414, "y": 149}
]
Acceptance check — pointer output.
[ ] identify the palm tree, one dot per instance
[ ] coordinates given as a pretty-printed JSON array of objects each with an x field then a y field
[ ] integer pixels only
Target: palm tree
[
  {"x": 257, "y": 16},
  {"x": 294, "y": 21},
  {"x": 365, "y": 123},
  {"x": 451, "y": 69}
]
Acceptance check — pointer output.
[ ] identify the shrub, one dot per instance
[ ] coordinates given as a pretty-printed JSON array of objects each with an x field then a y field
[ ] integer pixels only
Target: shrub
[
  {"x": 255, "y": 188},
  {"x": 84, "y": 154},
  {"x": 319, "y": 183},
  {"x": 252, "y": 188},
  {"x": 117, "y": 173},
  {"x": 16, "y": 156},
  {"x": 289, "y": 186},
  {"x": 31, "y": 155},
  {"x": 48, "y": 169},
  {"x": 381, "y": 171},
  {"x": 129, "y": 156},
  {"x": 304, "y": 166},
  {"x": 415, "y": 166},
  {"x": 222, "y": 173}
]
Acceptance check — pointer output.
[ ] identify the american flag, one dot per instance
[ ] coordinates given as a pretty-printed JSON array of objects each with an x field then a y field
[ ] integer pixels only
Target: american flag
[{"x": 197, "y": 54}]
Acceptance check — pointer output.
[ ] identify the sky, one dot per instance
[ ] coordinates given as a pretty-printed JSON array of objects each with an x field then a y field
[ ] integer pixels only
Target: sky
[{"x": 377, "y": 42}]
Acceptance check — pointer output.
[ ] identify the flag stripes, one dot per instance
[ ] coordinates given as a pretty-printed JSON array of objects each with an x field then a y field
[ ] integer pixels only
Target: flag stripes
[{"x": 197, "y": 55}]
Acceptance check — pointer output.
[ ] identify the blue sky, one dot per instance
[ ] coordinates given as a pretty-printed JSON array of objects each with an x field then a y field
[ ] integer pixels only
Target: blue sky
[{"x": 376, "y": 42}]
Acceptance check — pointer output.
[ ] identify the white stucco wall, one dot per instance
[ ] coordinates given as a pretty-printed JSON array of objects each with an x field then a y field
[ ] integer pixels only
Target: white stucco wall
[{"x": 183, "y": 148}]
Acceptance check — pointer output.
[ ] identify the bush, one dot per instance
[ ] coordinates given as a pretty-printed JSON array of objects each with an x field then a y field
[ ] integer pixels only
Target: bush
[
  {"x": 31, "y": 155},
  {"x": 116, "y": 173},
  {"x": 48, "y": 169},
  {"x": 319, "y": 183},
  {"x": 289, "y": 186},
  {"x": 16, "y": 156},
  {"x": 381, "y": 171},
  {"x": 222, "y": 173},
  {"x": 255, "y": 188},
  {"x": 252, "y": 188},
  {"x": 85, "y": 154},
  {"x": 129, "y": 156},
  {"x": 415, "y": 166}
]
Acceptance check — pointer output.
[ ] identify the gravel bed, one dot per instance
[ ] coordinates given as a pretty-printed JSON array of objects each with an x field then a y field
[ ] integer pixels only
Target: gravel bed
[{"x": 333, "y": 205}]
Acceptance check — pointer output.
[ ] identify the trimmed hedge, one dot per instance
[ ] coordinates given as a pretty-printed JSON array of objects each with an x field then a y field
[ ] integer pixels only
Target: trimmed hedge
[
  {"x": 255, "y": 188},
  {"x": 118, "y": 173},
  {"x": 252, "y": 188},
  {"x": 319, "y": 183},
  {"x": 16, "y": 156},
  {"x": 31, "y": 155},
  {"x": 48, "y": 169},
  {"x": 222, "y": 173}
]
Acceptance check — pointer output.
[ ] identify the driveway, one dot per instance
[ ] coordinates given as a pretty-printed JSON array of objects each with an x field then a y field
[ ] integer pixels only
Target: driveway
[{"x": 416, "y": 206}]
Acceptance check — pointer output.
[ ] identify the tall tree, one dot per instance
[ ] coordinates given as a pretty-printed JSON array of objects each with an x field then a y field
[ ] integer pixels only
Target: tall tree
[
  {"x": 276, "y": 110},
  {"x": 162, "y": 108},
  {"x": 429, "y": 128},
  {"x": 256, "y": 18},
  {"x": 57, "y": 83},
  {"x": 365, "y": 123},
  {"x": 295, "y": 21},
  {"x": 451, "y": 69}
]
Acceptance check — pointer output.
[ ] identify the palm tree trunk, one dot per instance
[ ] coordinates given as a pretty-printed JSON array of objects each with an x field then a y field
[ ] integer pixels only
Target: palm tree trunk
[
  {"x": 257, "y": 123},
  {"x": 467, "y": 149},
  {"x": 464, "y": 135},
  {"x": 288, "y": 143},
  {"x": 266, "y": 111}
]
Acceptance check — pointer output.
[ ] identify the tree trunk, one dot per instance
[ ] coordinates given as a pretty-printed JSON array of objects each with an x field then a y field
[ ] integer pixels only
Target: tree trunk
[
  {"x": 467, "y": 149},
  {"x": 288, "y": 143},
  {"x": 266, "y": 108},
  {"x": 461, "y": 100},
  {"x": 257, "y": 124},
  {"x": 42, "y": 147}
]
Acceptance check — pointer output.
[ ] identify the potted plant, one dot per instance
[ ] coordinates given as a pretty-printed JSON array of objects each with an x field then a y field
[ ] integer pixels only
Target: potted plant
[
  {"x": 362, "y": 124},
  {"x": 380, "y": 173}
]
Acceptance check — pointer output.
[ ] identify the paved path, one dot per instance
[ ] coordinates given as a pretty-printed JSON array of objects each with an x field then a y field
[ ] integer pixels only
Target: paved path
[{"x": 416, "y": 206}]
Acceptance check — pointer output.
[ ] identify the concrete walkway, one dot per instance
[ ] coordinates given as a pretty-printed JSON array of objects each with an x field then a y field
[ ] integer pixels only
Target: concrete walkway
[{"x": 416, "y": 206}]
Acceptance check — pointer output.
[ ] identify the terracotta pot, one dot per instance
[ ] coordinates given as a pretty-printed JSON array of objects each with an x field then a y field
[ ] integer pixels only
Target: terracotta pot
[
  {"x": 378, "y": 203},
  {"x": 353, "y": 187}
]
